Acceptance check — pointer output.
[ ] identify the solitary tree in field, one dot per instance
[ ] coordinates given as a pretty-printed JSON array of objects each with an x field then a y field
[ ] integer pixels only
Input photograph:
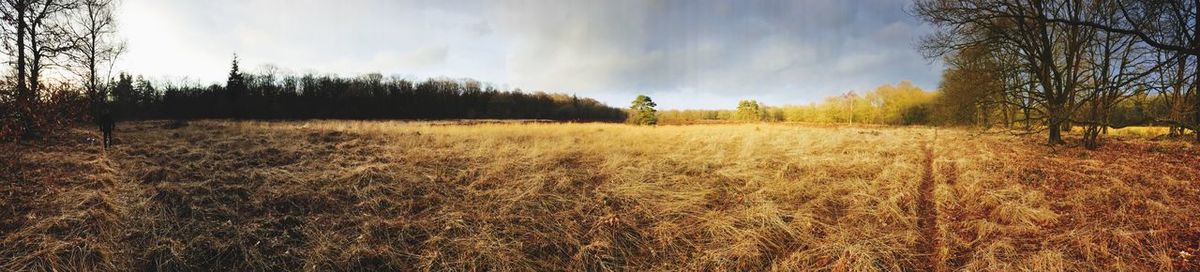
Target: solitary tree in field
[
  {"x": 642, "y": 111},
  {"x": 750, "y": 110}
]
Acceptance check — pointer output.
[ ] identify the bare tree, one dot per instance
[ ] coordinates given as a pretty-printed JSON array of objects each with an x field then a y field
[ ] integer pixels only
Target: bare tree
[
  {"x": 40, "y": 35},
  {"x": 1168, "y": 25},
  {"x": 94, "y": 26},
  {"x": 1117, "y": 62},
  {"x": 1051, "y": 53},
  {"x": 15, "y": 14},
  {"x": 1172, "y": 82},
  {"x": 48, "y": 37}
]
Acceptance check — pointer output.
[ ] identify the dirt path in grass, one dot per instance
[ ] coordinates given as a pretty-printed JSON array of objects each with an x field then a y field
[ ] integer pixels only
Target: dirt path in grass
[{"x": 929, "y": 243}]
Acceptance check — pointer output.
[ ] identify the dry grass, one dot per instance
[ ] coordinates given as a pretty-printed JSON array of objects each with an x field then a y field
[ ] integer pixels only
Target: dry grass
[
  {"x": 1132, "y": 132},
  {"x": 408, "y": 196}
]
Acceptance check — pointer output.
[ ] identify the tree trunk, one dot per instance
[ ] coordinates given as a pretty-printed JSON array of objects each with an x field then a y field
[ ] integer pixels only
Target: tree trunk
[
  {"x": 1054, "y": 123},
  {"x": 21, "y": 50},
  {"x": 1028, "y": 122},
  {"x": 1196, "y": 94},
  {"x": 1091, "y": 132},
  {"x": 1196, "y": 72},
  {"x": 983, "y": 116},
  {"x": 91, "y": 59},
  {"x": 23, "y": 100},
  {"x": 1008, "y": 116},
  {"x": 35, "y": 63},
  {"x": 97, "y": 101},
  {"x": 1179, "y": 98},
  {"x": 1055, "y": 134}
]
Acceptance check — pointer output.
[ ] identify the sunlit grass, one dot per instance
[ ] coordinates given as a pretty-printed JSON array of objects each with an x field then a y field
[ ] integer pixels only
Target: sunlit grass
[
  {"x": 1141, "y": 131},
  {"x": 360, "y": 195},
  {"x": 1132, "y": 131}
]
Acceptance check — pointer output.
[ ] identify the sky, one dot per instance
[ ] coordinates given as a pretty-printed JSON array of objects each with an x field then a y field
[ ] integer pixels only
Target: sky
[{"x": 684, "y": 54}]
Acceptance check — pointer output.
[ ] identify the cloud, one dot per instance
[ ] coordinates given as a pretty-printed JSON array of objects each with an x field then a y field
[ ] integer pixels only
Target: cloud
[
  {"x": 421, "y": 58},
  {"x": 693, "y": 53},
  {"x": 795, "y": 51}
]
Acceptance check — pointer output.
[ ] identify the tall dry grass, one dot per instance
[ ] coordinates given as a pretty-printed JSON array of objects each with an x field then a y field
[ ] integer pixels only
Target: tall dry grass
[{"x": 347, "y": 195}]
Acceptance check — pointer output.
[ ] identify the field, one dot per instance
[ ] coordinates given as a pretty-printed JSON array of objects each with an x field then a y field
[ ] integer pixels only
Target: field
[{"x": 349, "y": 195}]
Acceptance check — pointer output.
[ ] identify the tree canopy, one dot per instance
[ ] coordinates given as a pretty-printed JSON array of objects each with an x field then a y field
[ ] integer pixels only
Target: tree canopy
[{"x": 642, "y": 112}]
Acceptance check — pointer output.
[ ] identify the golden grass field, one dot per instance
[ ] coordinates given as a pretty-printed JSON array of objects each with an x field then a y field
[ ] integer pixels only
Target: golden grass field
[{"x": 350, "y": 195}]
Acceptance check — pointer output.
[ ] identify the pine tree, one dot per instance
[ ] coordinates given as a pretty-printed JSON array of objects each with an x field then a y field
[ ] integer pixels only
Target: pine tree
[
  {"x": 147, "y": 95},
  {"x": 235, "y": 87},
  {"x": 124, "y": 96}
]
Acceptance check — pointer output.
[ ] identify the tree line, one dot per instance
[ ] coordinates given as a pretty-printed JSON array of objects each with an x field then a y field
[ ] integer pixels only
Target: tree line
[
  {"x": 960, "y": 101},
  {"x": 890, "y": 104},
  {"x": 272, "y": 95},
  {"x": 1050, "y": 65}
]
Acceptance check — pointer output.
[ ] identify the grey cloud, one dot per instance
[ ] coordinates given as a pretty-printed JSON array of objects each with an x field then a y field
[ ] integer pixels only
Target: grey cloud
[
  {"x": 693, "y": 53},
  {"x": 794, "y": 50}
]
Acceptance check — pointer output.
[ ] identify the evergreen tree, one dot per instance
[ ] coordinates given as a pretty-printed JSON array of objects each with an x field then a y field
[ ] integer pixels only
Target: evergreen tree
[
  {"x": 124, "y": 96},
  {"x": 235, "y": 87},
  {"x": 147, "y": 95}
]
